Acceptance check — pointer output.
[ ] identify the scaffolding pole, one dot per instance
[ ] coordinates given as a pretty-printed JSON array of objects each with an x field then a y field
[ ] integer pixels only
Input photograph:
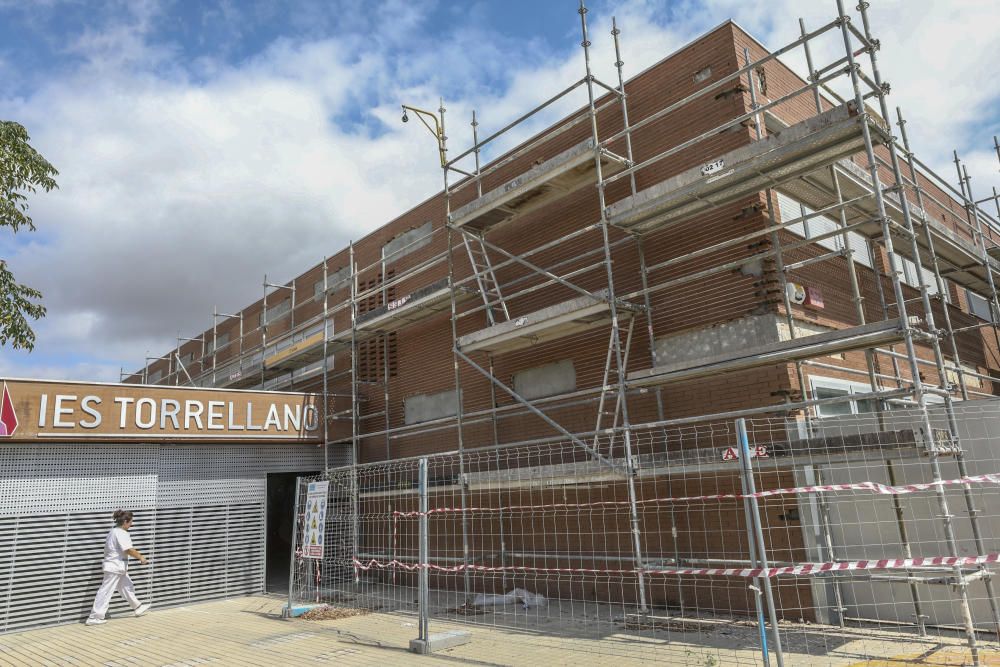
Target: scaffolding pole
[
  {"x": 615, "y": 333},
  {"x": 918, "y": 390},
  {"x": 775, "y": 237},
  {"x": 899, "y": 240},
  {"x": 942, "y": 287},
  {"x": 852, "y": 273}
]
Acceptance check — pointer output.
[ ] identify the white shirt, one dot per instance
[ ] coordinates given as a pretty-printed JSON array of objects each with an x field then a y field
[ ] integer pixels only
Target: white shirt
[{"x": 115, "y": 546}]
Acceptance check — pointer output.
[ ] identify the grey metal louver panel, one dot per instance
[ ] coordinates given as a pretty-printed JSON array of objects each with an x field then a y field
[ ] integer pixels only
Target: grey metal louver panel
[
  {"x": 51, "y": 567},
  {"x": 199, "y": 515},
  {"x": 224, "y": 475},
  {"x": 42, "y": 479},
  {"x": 208, "y": 552},
  {"x": 339, "y": 455}
]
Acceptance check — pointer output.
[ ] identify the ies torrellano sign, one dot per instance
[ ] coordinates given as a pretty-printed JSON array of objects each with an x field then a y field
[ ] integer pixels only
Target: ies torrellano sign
[{"x": 33, "y": 410}]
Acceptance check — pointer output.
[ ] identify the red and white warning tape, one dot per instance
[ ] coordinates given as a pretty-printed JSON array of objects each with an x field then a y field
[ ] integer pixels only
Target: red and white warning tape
[
  {"x": 875, "y": 487},
  {"x": 802, "y": 569}
]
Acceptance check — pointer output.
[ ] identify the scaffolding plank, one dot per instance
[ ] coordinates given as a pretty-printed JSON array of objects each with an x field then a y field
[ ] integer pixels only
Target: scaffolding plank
[
  {"x": 238, "y": 378},
  {"x": 830, "y": 342},
  {"x": 778, "y": 157},
  {"x": 893, "y": 443},
  {"x": 544, "y": 183},
  {"x": 960, "y": 260},
  {"x": 281, "y": 357},
  {"x": 963, "y": 264},
  {"x": 562, "y": 319},
  {"x": 305, "y": 351},
  {"x": 420, "y": 304},
  {"x": 288, "y": 380}
]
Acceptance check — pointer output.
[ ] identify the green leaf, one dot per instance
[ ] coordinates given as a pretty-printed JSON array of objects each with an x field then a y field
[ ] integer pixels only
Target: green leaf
[{"x": 23, "y": 171}]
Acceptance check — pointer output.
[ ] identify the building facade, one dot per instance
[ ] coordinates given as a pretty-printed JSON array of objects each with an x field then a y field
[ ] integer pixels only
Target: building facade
[
  {"x": 208, "y": 473},
  {"x": 727, "y": 250},
  {"x": 403, "y": 268}
]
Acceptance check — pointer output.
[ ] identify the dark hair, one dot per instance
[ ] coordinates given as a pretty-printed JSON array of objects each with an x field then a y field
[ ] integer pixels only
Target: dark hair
[{"x": 121, "y": 516}]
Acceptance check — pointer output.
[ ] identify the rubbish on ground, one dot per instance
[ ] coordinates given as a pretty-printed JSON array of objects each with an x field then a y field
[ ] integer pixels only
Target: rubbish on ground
[
  {"x": 526, "y": 599},
  {"x": 332, "y": 613}
]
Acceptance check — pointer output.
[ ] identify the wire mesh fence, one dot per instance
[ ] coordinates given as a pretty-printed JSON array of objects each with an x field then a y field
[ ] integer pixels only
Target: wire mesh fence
[{"x": 876, "y": 534}]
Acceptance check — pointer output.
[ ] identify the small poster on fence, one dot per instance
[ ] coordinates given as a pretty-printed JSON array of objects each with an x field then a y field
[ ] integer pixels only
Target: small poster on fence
[{"x": 315, "y": 520}]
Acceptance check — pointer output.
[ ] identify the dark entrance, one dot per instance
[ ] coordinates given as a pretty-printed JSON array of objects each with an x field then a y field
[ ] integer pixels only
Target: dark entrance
[{"x": 280, "y": 512}]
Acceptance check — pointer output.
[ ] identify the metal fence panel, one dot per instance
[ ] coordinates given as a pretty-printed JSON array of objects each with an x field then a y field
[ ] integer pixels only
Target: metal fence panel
[{"x": 540, "y": 538}]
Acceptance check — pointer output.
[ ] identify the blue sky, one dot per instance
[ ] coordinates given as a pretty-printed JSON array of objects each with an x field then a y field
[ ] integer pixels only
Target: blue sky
[{"x": 204, "y": 144}]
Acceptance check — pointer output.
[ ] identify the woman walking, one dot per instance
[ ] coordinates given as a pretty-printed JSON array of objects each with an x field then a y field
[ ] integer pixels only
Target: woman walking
[{"x": 117, "y": 548}]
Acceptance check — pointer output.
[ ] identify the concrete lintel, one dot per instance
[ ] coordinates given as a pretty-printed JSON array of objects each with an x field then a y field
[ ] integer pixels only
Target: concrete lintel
[{"x": 440, "y": 641}]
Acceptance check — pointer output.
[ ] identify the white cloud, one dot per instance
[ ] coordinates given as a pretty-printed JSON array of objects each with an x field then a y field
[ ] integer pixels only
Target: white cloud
[
  {"x": 182, "y": 184},
  {"x": 937, "y": 57}
]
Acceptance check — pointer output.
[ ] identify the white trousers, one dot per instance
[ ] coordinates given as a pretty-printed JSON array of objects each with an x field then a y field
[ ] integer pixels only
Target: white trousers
[{"x": 113, "y": 581}]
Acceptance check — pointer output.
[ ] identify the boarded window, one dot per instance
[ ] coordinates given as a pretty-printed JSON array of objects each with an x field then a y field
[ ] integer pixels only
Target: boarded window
[
  {"x": 220, "y": 343},
  {"x": 547, "y": 380},
  {"x": 334, "y": 281},
  {"x": 407, "y": 242},
  {"x": 426, "y": 407},
  {"x": 276, "y": 311}
]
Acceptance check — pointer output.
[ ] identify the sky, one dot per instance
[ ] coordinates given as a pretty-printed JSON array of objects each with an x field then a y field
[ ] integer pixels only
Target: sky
[{"x": 202, "y": 145}]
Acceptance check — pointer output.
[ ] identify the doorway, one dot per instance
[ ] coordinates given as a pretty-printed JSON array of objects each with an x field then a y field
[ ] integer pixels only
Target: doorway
[{"x": 280, "y": 517}]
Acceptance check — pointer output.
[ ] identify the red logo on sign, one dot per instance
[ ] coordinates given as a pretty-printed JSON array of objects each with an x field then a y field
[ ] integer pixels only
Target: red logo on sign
[{"x": 8, "y": 420}]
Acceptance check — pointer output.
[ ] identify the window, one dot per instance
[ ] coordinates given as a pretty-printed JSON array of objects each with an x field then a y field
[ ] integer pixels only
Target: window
[
  {"x": 971, "y": 381},
  {"x": 913, "y": 275},
  {"x": 979, "y": 306},
  {"x": 862, "y": 251},
  {"x": 791, "y": 209},
  {"x": 154, "y": 377},
  {"x": 832, "y": 388}
]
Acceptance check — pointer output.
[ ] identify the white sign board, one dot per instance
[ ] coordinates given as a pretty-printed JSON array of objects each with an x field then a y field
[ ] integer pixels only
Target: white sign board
[{"x": 315, "y": 519}]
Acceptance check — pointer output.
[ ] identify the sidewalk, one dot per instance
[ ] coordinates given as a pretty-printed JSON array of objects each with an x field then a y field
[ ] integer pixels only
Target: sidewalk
[{"x": 249, "y": 631}]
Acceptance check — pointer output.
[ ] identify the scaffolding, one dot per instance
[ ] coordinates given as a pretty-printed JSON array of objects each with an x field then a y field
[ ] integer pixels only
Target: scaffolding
[{"x": 696, "y": 252}]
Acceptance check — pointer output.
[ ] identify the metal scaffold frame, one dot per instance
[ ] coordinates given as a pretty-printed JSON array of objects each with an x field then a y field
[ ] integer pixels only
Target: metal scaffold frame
[
  {"x": 801, "y": 353},
  {"x": 843, "y": 164}
]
